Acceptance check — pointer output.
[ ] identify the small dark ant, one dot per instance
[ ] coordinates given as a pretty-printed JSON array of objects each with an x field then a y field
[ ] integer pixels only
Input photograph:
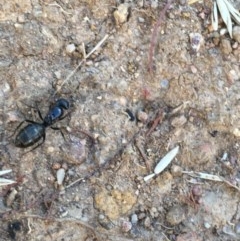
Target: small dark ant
[
  {"x": 33, "y": 132},
  {"x": 13, "y": 228}
]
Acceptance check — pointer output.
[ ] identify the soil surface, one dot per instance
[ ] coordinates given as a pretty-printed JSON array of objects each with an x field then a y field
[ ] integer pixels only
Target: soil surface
[{"x": 159, "y": 80}]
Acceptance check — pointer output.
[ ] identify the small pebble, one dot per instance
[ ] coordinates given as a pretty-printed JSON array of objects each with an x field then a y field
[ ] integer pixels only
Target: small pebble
[
  {"x": 12, "y": 116},
  {"x": 178, "y": 121},
  {"x": 197, "y": 191},
  {"x": 207, "y": 225},
  {"x": 225, "y": 46},
  {"x": 225, "y": 156},
  {"x": 223, "y": 31},
  {"x": 176, "y": 170},
  {"x": 134, "y": 219},
  {"x": 11, "y": 197},
  {"x": 140, "y": 3},
  {"x": 5, "y": 88},
  {"x": 18, "y": 26},
  {"x": 56, "y": 166},
  {"x": 105, "y": 222},
  {"x": 164, "y": 84},
  {"x": 141, "y": 216},
  {"x": 142, "y": 116},
  {"x": 175, "y": 215},
  {"x": 196, "y": 40},
  {"x": 183, "y": 2},
  {"x": 126, "y": 226},
  {"x": 141, "y": 20},
  {"x": 89, "y": 62},
  {"x": 232, "y": 76},
  {"x": 193, "y": 69},
  {"x": 64, "y": 214},
  {"x": 121, "y": 14},
  {"x": 189, "y": 236},
  {"x": 70, "y": 48},
  {"x": 57, "y": 74},
  {"x": 154, "y": 3},
  {"x": 236, "y": 33},
  {"x": 65, "y": 166},
  {"x": 101, "y": 217},
  {"x": 21, "y": 18},
  {"x": 237, "y": 228},
  {"x": 50, "y": 149},
  {"x": 216, "y": 40},
  {"x": 171, "y": 15},
  {"x": 147, "y": 222},
  {"x": 60, "y": 176},
  {"x": 236, "y": 132},
  {"x": 235, "y": 45}
]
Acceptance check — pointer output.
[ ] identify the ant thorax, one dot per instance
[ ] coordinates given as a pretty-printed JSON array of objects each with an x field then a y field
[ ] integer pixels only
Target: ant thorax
[{"x": 53, "y": 115}]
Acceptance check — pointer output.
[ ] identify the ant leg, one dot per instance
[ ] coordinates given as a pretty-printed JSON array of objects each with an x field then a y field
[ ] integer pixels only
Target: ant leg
[
  {"x": 58, "y": 129},
  {"x": 39, "y": 113},
  {"x": 68, "y": 114},
  {"x": 36, "y": 108},
  {"x": 17, "y": 128}
]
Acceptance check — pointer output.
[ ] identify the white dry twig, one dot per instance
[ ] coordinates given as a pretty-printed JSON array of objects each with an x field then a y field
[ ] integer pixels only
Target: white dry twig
[
  {"x": 163, "y": 163},
  {"x": 79, "y": 65},
  {"x": 4, "y": 181}
]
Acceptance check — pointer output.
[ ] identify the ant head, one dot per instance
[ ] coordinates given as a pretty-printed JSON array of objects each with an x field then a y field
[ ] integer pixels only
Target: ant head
[{"x": 63, "y": 103}]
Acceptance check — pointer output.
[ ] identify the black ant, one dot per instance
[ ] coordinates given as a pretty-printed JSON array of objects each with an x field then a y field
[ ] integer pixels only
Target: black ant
[
  {"x": 13, "y": 228},
  {"x": 33, "y": 132}
]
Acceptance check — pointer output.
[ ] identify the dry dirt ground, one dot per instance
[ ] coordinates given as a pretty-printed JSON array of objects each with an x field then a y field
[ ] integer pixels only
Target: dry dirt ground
[{"x": 177, "y": 96}]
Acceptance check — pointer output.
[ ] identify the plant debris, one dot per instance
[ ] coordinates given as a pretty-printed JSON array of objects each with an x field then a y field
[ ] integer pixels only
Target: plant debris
[
  {"x": 4, "y": 181},
  {"x": 227, "y": 11},
  {"x": 163, "y": 163}
]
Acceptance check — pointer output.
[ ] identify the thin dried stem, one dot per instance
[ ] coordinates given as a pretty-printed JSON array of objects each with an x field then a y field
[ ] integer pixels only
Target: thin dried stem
[{"x": 155, "y": 35}]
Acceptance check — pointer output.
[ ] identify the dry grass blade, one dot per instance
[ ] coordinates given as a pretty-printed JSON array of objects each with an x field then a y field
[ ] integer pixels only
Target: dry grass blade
[
  {"x": 204, "y": 176},
  {"x": 4, "y": 181},
  {"x": 234, "y": 13},
  {"x": 214, "y": 17},
  {"x": 3, "y": 172},
  {"x": 223, "y": 9},
  {"x": 210, "y": 177}
]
